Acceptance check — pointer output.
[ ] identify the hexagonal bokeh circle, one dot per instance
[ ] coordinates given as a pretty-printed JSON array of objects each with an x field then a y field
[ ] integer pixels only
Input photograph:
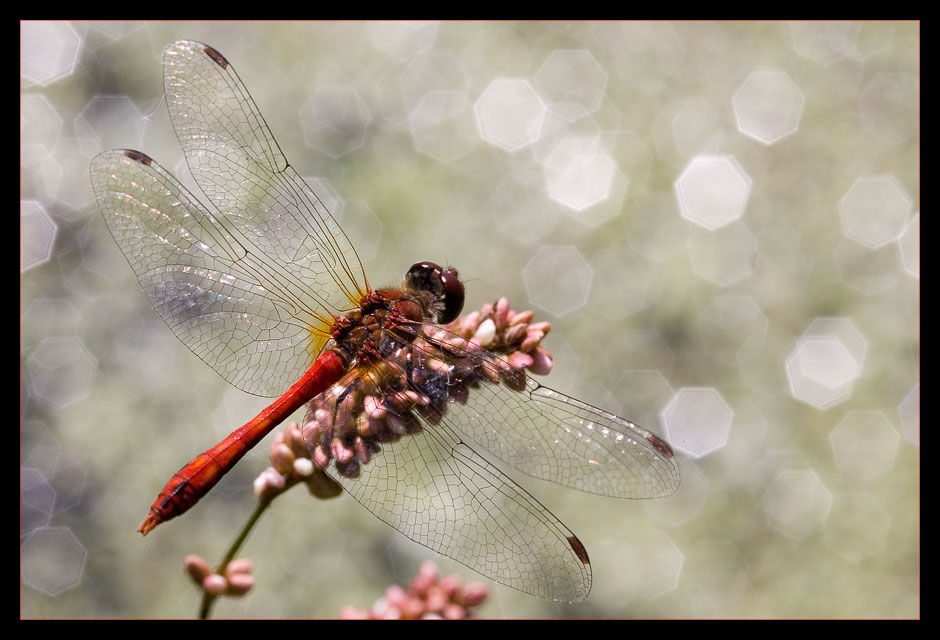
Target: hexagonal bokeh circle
[
  {"x": 864, "y": 443},
  {"x": 572, "y": 83},
  {"x": 52, "y": 560},
  {"x": 768, "y": 106},
  {"x": 713, "y": 191},
  {"x": 442, "y": 126},
  {"x": 37, "y": 234},
  {"x": 48, "y": 50},
  {"x": 825, "y": 362},
  {"x": 429, "y": 72},
  {"x": 875, "y": 211},
  {"x": 37, "y": 500},
  {"x": 40, "y": 122},
  {"x": 558, "y": 279},
  {"x": 334, "y": 119},
  {"x": 910, "y": 247},
  {"x": 510, "y": 114},
  {"x": 579, "y": 172},
  {"x": 797, "y": 503},
  {"x": 108, "y": 122},
  {"x": 697, "y": 420},
  {"x": 823, "y": 42},
  {"x": 909, "y": 413},
  {"x": 61, "y": 371}
]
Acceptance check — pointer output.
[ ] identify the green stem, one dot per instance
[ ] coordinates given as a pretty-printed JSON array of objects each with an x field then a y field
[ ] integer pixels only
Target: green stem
[{"x": 207, "y": 598}]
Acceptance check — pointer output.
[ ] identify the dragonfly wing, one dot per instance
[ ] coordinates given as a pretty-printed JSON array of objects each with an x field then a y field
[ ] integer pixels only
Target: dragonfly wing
[
  {"x": 545, "y": 433},
  {"x": 201, "y": 276},
  {"x": 549, "y": 435},
  {"x": 434, "y": 488},
  {"x": 238, "y": 165}
]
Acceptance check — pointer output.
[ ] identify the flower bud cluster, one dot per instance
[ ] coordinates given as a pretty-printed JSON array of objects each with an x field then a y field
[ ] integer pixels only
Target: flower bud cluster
[
  {"x": 290, "y": 464},
  {"x": 428, "y": 597},
  {"x": 390, "y": 398},
  {"x": 236, "y": 581},
  {"x": 501, "y": 330}
]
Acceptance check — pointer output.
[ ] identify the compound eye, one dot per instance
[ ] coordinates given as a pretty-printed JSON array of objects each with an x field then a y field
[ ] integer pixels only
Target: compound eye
[
  {"x": 424, "y": 276},
  {"x": 453, "y": 296},
  {"x": 443, "y": 283},
  {"x": 424, "y": 268}
]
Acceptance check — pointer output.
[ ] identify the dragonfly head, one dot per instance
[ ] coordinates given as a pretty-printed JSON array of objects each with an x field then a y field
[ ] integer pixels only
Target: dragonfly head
[{"x": 444, "y": 286}]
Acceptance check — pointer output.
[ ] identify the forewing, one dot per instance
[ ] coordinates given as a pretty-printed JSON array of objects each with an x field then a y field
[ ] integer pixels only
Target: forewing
[{"x": 238, "y": 165}]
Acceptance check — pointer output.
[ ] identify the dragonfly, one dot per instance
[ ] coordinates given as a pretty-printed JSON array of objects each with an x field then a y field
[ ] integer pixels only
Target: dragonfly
[{"x": 266, "y": 288}]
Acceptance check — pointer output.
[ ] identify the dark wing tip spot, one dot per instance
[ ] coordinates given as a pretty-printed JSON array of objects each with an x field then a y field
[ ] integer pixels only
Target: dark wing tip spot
[
  {"x": 215, "y": 55},
  {"x": 137, "y": 156},
  {"x": 579, "y": 550},
  {"x": 661, "y": 445}
]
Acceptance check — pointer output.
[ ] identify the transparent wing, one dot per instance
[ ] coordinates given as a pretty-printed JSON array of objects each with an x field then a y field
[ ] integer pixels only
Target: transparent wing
[
  {"x": 542, "y": 432},
  {"x": 238, "y": 165},
  {"x": 431, "y": 486},
  {"x": 236, "y": 309},
  {"x": 403, "y": 433},
  {"x": 250, "y": 288}
]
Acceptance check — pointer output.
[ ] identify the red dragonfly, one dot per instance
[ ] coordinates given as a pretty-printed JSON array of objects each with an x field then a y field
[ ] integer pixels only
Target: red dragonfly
[{"x": 266, "y": 288}]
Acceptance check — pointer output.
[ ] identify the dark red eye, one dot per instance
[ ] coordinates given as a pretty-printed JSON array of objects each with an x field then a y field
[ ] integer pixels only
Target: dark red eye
[
  {"x": 443, "y": 284},
  {"x": 453, "y": 296}
]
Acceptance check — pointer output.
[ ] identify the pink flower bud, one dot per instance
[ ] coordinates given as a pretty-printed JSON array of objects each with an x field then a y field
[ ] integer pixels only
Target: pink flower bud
[
  {"x": 427, "y": 576},
  {"x": 239, "y": 584},
  {"x": 320, "y": 456},
  {"x": 412, "y": 608},
  {"x": 197, "y": 568},
  {"x": 352, "y": 613},
  {"x": 519, "y": 360},
  {"x": 239, "y": 565},
  {"x": 294, "y": 438},
  {"x": 469, "y": 323},
  {"x": 532, "y": 340},
  {"x": 395, "y": 596},
  {"x": 303, "y": 467},
  {"x": 341, "y": 452},
  {"x": 542, "y": 362},
  {"x": 453, "y": 611},
  {"x": 282, "y": 457},
  {"x": 523, "y": 317},
  {"x": 543, "y": 326},
  {"x": 435, "y": 600},
  {"x": 501, "y": 315},
  {"x": 515, "y": 333},
  {"x": 373, "y": 407},
  {"x": 268, "y": 480},
  {"x": 474, "y": 594},
  {"x": 449, "y": 585},
  {"x": 214, "y": 584}
]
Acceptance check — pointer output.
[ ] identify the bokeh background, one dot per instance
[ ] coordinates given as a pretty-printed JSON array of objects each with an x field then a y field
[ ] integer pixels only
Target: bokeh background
[{"x": 720, "y": 219}]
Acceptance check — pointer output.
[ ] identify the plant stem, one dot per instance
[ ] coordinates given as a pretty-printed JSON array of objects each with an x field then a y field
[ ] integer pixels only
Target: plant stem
[{"x": 207, "y": 598}]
